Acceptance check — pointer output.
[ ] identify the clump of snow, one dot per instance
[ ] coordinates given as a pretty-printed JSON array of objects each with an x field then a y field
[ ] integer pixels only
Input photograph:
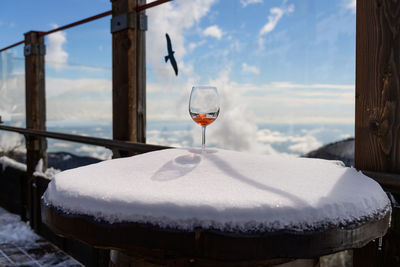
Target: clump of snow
[
  {"x": 18, "y": 236},
  {"x": 14, "y": 230},
  {"x": 7, "y": 162},
  {"x": 226, "y": 190},
  {"x": 49, "y": 173},
  {"x": 39, "y": 166}
]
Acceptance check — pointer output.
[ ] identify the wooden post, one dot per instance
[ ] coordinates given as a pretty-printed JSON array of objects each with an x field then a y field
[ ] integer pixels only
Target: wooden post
[
  {"x": 377, "y": 131},
  {"x": 129, "y": 72},
  {"x": 377, "y": 122},
  {"x": 35, "y": 116}
]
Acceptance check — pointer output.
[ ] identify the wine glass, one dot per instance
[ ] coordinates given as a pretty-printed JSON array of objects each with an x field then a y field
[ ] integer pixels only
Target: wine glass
[{"x": 204, "y": 108}]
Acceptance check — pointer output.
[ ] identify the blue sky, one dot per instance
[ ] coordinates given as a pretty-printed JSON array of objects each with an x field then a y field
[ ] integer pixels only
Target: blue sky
[
  {"x": 315, "y": 34},
  {"x": 273, "y": 61}
]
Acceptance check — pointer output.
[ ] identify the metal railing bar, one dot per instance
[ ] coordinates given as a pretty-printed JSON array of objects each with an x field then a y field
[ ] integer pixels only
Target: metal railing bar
[
  {"x": 79, "y": 22},
  {"x": 107, "y": 143},
  {"x": 11, "y": 46},
  {"x": 98, "y": 16}
]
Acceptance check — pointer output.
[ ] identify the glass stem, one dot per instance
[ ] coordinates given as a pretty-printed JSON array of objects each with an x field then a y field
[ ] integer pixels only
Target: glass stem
[{"x": 203, "y": 138}]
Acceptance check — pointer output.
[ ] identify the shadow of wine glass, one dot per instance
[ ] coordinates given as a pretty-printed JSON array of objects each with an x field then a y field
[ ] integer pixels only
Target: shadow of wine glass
[
  {"x": 232, "y": 172},
  {"x": 177, "y": 167}
]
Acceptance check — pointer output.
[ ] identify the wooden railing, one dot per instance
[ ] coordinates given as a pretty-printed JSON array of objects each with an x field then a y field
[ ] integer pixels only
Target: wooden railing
[{"x": 107, "y": 143}]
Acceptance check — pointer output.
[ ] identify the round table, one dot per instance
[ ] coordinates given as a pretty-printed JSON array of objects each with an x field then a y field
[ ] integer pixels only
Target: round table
[{"x": 273, "y": 237}]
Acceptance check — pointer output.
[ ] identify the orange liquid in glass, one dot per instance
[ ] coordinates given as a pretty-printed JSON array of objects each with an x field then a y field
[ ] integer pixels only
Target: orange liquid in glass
[{"x": 204, "y": 119}]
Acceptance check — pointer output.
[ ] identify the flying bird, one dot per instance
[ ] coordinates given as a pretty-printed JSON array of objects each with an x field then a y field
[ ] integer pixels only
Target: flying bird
[{"x": 170, "y": 55}]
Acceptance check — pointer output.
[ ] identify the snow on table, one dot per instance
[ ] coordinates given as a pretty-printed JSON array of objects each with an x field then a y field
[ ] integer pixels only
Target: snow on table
[{"x": 224, "y": 190}]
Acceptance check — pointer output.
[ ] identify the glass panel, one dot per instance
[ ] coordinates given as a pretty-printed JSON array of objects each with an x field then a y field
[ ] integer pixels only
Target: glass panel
[
  {"x": 78, "y": 85},
  {"x": 285, "y": 71},
  {"x": 12, "y": 98}
]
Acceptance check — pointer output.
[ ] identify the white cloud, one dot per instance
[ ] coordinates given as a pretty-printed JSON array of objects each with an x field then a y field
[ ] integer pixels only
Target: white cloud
[
  {"x": 352, "y": 5},
  {"x": 12, "y": 98},
  {"x": 282, "y": 102},
  {"x": 300, "y": 103},
  {"x": 251, "y": 69},
  {"x": 171, "y": 105},
  {"x": 250, "y": 2},
  {"x": 307, "y": 144},
  {"x": 276, "y": 102},
  {"x": 291, "y": 141},
  {"x": 192, "y": 46},
  {"x": 275, "y": 14},
  {"x": 66, "y": 99},
  {"x": 306, "y": 106},
  {"x": 81, "y": 99},
  {"x": 213, "y": 31},
  {"x": 297, "y": 143},
  {"x": 313, "y": 86},
  {"x": 56, "y": 56},
  {"x": 95, "y": 152},
  {"x": 58, "y": 87},
  {"x": 61, "y": 145},
  {"x": 235, "y": 127}
]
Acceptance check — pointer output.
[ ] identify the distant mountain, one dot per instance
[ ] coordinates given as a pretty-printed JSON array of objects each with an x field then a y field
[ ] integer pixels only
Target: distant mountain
[
  {"x": 58, "y": 160},
  {"x": 341, "y": 150}
]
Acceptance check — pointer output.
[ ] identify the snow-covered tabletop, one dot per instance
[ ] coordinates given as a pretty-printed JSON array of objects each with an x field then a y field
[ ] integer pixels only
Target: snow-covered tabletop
[{"x": 223, "y": 190}]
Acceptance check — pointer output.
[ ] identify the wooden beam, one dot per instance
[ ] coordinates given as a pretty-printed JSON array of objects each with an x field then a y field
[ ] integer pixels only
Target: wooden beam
[
  {"x": 377, "y": 122},
  {"x": 35, "y": 107},
  {"x": 129, "y": 75}
]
